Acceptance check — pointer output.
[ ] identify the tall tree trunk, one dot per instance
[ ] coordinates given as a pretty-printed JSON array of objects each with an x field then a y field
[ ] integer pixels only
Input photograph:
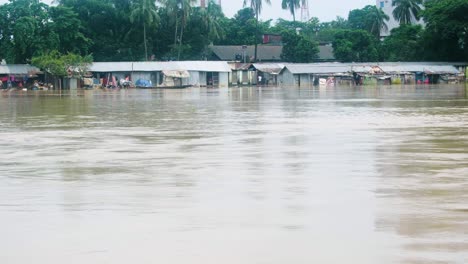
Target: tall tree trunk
[
  {"x": 144, "y": 37},
  {"x": 176, "y": 31},
  {"x": 256, "y": 38},
  {"x": 180, "y": 41}
]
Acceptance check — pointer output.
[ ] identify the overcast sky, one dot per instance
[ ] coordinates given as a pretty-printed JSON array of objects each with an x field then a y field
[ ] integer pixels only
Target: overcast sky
[{"x": 325, "y": 10}]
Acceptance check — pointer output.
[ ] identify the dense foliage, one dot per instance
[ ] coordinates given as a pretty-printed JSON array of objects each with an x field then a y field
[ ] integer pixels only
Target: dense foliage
[
  {"x": 297, "y": 48},
  {"x": 123, "y": 30}
]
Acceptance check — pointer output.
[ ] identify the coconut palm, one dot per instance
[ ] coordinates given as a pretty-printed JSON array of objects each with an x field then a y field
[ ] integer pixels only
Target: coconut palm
[
  {"x": 144, "y": 11},
  {"x": 378, "y": 21},
  {"x": 180, "y": 11},
  {"x": 256, "y": 5},
  {"x": 406, "y": 10},
  {"x": 292, "y": 5},
  {"x": 211, "y": 18}
]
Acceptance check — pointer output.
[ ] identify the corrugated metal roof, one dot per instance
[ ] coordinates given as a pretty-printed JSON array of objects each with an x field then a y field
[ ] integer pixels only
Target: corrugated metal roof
[
  {"x": 239, "y": 66},
  {"x": 204, "y": 66},
  {"x": 318, "y": 68},
  {"x": 272, "y": 68},
  {"x": 382, "y": 67},
  {"x": 418, "y": 67},
  {"x": 19, "y": 69}
]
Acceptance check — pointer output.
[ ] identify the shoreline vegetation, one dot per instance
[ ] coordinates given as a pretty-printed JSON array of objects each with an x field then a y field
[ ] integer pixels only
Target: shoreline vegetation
[{"x": 63, "y": 39}]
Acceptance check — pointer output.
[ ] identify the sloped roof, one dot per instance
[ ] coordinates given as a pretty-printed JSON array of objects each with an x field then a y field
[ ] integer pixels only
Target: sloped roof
[
  {"x": 150, "y": 66},
  {"x": 437, "y": 68},
  {"x": 369, "y": 67},
  {"x": 19, "y": 69},
  {"x": 272, "y": 68},
  {"x": 176, "y": 73},
  {"x": 318, "y": 68},
  {"x": 264, "y": 52},
  {"x": 239, "y": 66}
]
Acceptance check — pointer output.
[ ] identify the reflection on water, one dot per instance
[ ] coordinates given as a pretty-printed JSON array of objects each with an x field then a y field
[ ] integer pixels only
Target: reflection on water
[{"x": 249, "y": 175}]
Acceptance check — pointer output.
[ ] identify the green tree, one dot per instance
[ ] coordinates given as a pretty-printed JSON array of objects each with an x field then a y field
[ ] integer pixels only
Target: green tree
[
  {"x": 212, "y": 17},
  {"x": 107, "y": 24},
  {"x": 406, "y": 10},
  {"x": 60, "y": 66},
  {"x": 369, "y": 18},
  {"x": 144, "y": 12},
  {"x": 446, "y": 34},
  {"x": 239, "y": 29},
  {"x": 25, "y": 30},
  {"x": 69, "y": 31},
  {"x": 292, "y": 5},
  {"x": 403, "y": 44},
  {"x": 298, "y": 49},
  {"x": 256, "y": 6},
  {"x": 355, "y": 46},
  {"x": 180, "y": 11}
]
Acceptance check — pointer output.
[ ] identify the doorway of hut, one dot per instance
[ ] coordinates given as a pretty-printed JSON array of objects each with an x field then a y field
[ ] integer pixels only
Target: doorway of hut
[{"x": 212, "y": 79}]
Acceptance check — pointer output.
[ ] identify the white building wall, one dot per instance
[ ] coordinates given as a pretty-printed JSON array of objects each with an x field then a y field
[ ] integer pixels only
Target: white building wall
[
  {"x": 286, "y": 78},
  {"x": 306, "y": 80},
  {"x": 194, "y": 78},
  {"x": 223, "y": 79},
  {"x": 202, "y": 78}
]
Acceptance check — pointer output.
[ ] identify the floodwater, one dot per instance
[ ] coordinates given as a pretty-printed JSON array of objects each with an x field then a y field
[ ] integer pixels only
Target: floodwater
[{"x": 242, "y": 175}]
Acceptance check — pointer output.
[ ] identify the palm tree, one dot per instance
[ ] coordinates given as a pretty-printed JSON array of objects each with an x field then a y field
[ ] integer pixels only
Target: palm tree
[
  {"x": 180, "y": 11},
  {"x": 406, "y": 10},
  {"x": 292, "y": 5},
  {"x": 378, "y": 21},
  {"x": 256, "y": 5},
  {"x": 144, "y": 12},
  {"x": 211, "y": 17}
]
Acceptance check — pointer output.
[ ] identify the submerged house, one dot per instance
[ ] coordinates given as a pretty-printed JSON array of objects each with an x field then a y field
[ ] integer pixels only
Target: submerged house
[
  {"x": 369, "y": 73},
  {"x": 255, "y": 73},
  {"x": 269, "y": 72},
  {"x": 18, "y": 74},
  {"x": 413, "y": 72},
  {"x": 164, "y": 74},
  {"x": 307, "y": 74},
  {"x": 241, "y": 74}
]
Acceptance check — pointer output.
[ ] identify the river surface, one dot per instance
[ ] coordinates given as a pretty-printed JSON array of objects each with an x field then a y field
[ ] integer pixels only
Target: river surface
[{"x": 368, "y": 175}]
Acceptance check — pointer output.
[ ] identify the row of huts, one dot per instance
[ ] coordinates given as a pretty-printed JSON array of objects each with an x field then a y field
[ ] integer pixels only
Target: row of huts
[
  {"x": 308, "y": 74},
  {"x": 224, "y": 74}
]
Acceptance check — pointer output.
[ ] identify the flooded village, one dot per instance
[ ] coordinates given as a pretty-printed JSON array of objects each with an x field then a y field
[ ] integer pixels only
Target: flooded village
[
  {"x": 233, "y": 132},
  {"x": 184, "y": 74}
]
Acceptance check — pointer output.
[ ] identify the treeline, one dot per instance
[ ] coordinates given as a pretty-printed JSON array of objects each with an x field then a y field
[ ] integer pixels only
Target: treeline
[{"x": 136, "y": 30}]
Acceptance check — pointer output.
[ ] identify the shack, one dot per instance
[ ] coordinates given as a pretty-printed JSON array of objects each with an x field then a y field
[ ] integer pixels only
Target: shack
[
  {"x": 307, "y": 74},
  {"x": 158, "y": 74},
  {"x": 269, "y": 72},
  {"x": 241, "y": 74},
  {"x": 18, "y": 75},
  {"x": 414, "y": 72}
]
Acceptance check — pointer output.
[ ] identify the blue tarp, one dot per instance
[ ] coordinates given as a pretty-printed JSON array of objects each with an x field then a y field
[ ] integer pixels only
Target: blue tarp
[{"x": 143, "y": 83}]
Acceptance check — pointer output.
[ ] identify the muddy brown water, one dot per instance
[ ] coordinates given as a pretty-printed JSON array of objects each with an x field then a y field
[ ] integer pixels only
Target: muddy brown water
[{"x": 242, "y": 175}]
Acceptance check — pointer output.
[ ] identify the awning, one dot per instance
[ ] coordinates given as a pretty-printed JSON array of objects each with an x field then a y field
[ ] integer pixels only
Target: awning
[{"x": 177, "y": 73}]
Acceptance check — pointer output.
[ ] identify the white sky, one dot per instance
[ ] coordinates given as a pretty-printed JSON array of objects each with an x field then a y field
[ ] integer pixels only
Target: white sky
[{"x": 325, "y": 10}]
